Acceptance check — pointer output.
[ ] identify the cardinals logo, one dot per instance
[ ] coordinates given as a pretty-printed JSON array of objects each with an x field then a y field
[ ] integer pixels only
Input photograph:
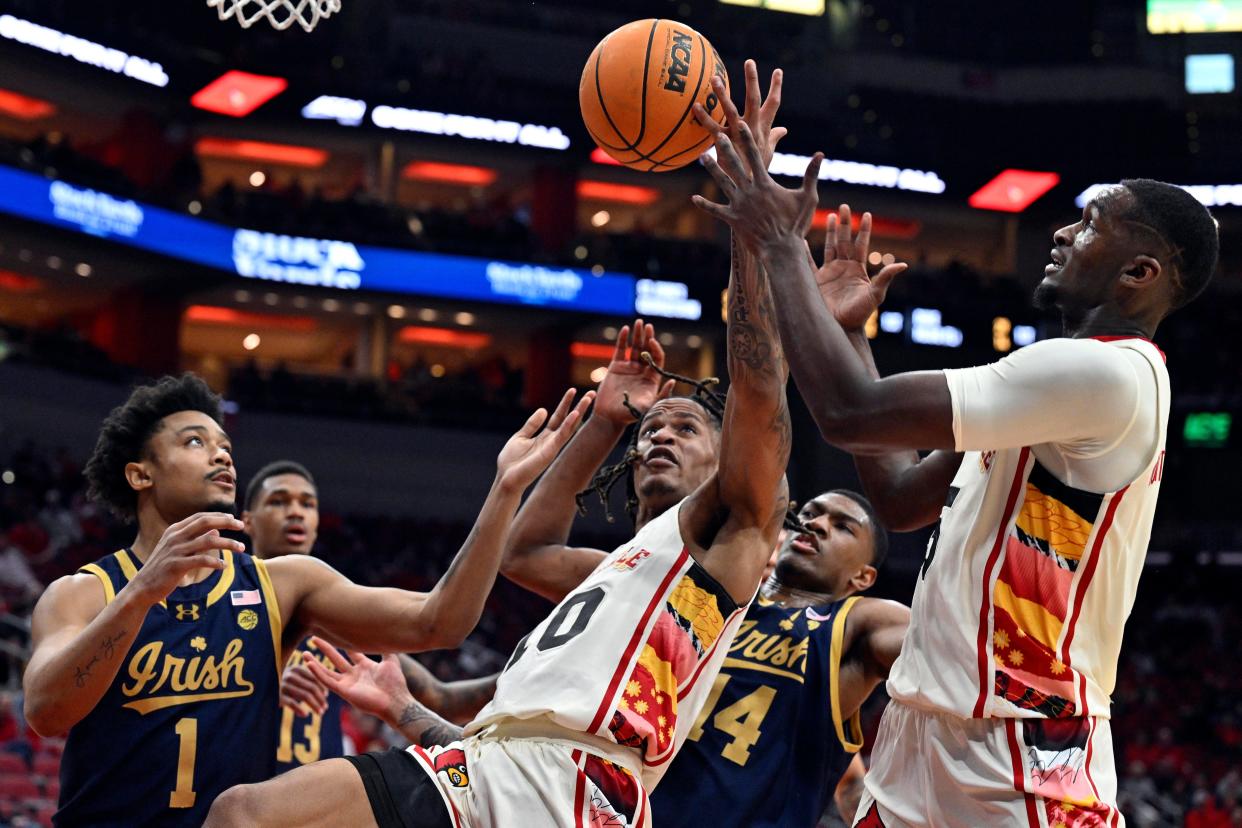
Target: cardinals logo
[{"x": 452, "y": 763}]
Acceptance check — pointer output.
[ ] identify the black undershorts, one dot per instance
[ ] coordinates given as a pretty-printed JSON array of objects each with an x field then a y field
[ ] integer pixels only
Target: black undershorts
[{"x": 401, "y": 793}]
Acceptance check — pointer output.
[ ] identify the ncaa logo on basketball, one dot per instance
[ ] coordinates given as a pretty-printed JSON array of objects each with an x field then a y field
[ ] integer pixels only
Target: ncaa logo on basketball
[
  {"x": 678, "y": 62},
  {"x": 247, "y": 619}
]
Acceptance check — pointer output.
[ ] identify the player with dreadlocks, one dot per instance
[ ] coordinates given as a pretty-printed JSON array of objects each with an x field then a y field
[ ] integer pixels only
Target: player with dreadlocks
[
  {"x": 777, "y": 733},
  {"x": 599, "y": 697}
]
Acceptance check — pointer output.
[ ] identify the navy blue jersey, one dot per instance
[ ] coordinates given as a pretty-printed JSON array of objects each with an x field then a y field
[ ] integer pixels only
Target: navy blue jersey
[
  {"x": 309, "y": 738},
  {"x": 770, "y": 745},
  {"x": 191, "y": 712}
]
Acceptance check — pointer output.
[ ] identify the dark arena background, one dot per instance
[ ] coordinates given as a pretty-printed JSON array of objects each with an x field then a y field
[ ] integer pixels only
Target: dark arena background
[{"x": 385, "y": 240}]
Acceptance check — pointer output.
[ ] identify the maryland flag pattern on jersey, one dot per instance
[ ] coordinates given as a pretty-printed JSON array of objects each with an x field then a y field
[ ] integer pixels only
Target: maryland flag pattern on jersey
[
  {"x": 692, "y": 620},
  {"x": 1031, "y": 597}
]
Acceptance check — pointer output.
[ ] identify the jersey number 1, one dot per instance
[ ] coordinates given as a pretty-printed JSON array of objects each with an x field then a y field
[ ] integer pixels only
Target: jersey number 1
[{"x": 183, "y": 795}]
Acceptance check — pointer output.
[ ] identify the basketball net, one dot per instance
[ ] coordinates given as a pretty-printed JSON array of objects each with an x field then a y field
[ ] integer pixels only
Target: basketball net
[{"x": 280, "y": 13}]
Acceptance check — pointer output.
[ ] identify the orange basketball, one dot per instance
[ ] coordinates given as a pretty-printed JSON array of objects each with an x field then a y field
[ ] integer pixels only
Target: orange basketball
[{"x": 637, "y": 90}]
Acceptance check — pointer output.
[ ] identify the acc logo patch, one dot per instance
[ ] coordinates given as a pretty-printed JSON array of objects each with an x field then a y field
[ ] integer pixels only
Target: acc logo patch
[
  {"x": 452, "y": 763},
  {"x": 247, "y": 619}
]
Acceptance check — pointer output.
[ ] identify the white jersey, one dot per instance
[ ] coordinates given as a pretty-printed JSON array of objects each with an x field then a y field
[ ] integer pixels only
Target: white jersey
[
  {"x": 1032, "y": 572},
  {"x": 629, "y": 657}
]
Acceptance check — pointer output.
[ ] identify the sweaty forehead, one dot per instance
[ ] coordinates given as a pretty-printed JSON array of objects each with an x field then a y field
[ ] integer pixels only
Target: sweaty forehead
[{"x": 1115, "y": 201}]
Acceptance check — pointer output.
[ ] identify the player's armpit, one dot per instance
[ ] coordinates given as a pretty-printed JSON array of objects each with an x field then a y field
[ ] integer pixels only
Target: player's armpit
[
  {"x": 550, "y": 570},
  {"x": 908, "y": 492},
  {"x": 879, "y": 629}
]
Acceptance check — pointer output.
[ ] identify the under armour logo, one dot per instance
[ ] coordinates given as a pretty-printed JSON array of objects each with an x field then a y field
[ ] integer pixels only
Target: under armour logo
[{"x": 191, "y": 612}]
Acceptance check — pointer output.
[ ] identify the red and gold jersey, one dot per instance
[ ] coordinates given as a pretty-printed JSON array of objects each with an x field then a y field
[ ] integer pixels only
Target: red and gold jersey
[
  {"x": 1028, "y": 580},
  {"x": 630, "y": 656}
]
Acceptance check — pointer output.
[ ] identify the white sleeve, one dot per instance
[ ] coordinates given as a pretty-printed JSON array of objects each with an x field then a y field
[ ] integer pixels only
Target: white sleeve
[{"x": 1079, "y": 394}]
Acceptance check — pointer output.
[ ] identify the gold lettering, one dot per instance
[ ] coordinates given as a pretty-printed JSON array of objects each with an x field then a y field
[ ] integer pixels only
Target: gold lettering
[
  {"x": 760, "y": 648},
  {"x": 233, "y": 662},
  {"x": 781, "y": 651},
  {"x": 172, "y": 674},
  {"x": 142, "y": 667},
  {"x": 180, "y": 677}
]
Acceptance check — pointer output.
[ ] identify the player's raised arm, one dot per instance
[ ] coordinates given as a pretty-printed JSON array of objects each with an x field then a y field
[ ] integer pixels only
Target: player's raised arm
[
  {"x": 385, "y": 619},
  {"x": 907, "y": 490},
  {"x": 756, "y": 433},
  {"x": 852, "y": 409},
  {"x": 538, "y": 555},
  {"x": 80, "y": 640}
]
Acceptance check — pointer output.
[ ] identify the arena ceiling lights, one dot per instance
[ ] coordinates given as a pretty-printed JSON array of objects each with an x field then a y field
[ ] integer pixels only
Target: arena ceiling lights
[
  {"x": 444, "y": 173},
  {"x": 1209, "y": 195},
  {"x": 238, "y": 93},
  {"x": 1012, "y": 191},
  {"x": 24, "y": 108},
  {"x": 262, "y": 151},
  {"x": 82, "y": 50},
  {"x": 620, "y": 193},
  {"x": 860, "y": 173},
  {"x": 352, "y": 112}
]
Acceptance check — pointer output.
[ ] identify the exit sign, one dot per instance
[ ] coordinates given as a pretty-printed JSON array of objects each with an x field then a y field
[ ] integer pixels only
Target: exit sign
[{"x": 1207, "y": 429}]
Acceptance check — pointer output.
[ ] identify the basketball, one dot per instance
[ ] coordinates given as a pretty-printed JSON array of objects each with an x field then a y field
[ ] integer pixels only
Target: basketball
[{"x": 637, "y": 90}]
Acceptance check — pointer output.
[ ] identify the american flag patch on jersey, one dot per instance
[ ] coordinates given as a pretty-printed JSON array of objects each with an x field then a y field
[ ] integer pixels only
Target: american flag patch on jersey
[{"x": 244, "y": 597}]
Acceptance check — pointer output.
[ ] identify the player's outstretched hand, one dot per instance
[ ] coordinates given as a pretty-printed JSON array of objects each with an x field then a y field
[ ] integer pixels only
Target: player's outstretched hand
[
  {"x": 848, "y": 292},
  {"x": 630, "y": 378},
  {"x": 375, "y": 687},
  {"x": 760, "y": 211},
  {"x": 530, "y": 450},
  {"x": 301, "y": 691},
  {"x": 186, "y": 545},
  {"x": 759, "y": 115}
]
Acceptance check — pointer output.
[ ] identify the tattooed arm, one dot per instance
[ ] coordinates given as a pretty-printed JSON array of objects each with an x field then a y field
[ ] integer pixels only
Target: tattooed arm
[
  {"x": 383, "y": 688},
  {"x": 456, "y": 701},
  {"x": 756, "y": 432},
  {"x": 78, "y": 643},
  {"x": 421, "y": 726}
]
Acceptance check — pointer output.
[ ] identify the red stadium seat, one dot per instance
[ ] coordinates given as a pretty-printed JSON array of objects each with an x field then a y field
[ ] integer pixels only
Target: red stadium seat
[
  {"x": 12, "y": 763},
  {"x": 45, "y": 765},
  {"x": 19, "y": 787}
]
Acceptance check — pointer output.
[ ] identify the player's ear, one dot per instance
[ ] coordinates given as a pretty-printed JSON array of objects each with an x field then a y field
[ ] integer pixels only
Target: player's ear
[
  {"x": 863, "y": 578},
  {"x": 245, "y": 519},
  {"x": 1142, "y": 271},
  {"x": 138, "y": 475}
]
